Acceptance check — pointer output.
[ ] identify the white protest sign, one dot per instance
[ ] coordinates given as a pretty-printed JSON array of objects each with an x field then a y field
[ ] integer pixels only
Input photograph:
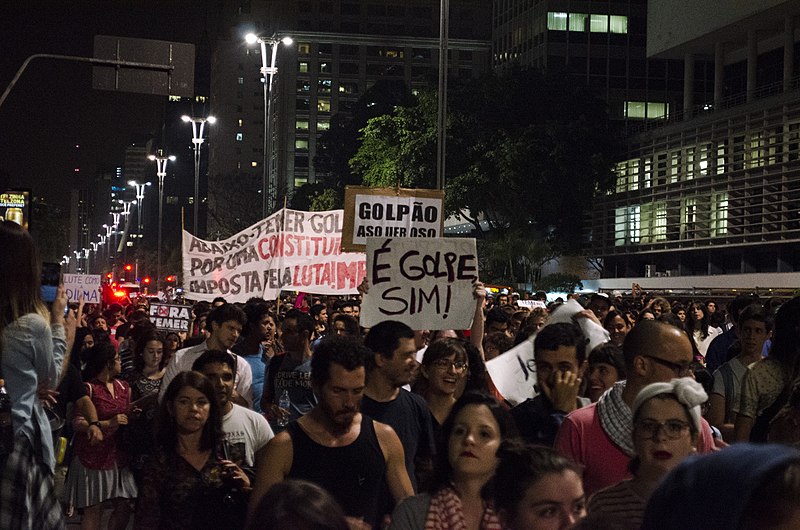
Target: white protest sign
[
  {"x": 530, "y": 304},
  {"x": 391, "y": 212},
  {"x": 289, "y": 250},
  {"x": 426, "y": 283},
  {"x": 591, "y": 330},
  {"x": 514, "y": 373},
  {"x": 87, "y": 286}
]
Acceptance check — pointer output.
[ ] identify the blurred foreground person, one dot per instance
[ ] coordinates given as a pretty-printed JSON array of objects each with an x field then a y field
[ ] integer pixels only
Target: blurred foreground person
[
  {"x": 33, "y": 342},
  {"x": 298, "y": 504},
  {"x": 743, "y": 487}
]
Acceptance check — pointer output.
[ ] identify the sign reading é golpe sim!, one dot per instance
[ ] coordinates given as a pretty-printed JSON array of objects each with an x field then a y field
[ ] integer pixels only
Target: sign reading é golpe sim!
[{"x": 16, "y": 206}]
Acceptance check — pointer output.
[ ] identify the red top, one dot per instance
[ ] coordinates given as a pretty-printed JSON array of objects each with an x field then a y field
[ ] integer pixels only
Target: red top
[{"x": 106, "y": 453}]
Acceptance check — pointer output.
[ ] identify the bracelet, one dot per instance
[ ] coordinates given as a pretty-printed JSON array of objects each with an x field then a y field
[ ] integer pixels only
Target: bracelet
[{"x": 95, "y": 422}]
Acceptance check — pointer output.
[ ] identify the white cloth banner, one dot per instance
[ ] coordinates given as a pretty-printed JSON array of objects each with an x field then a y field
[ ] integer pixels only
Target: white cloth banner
[
  {"x": 426, "y": 283},
  {"x": 290, "y": 250}
]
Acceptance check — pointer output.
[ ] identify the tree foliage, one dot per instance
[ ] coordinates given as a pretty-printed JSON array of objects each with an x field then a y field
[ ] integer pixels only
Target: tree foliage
[{"x": 525, "y": 152}]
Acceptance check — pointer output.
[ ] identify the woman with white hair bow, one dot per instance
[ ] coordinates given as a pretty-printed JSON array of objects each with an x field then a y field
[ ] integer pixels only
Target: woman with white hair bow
[{"x": 666, "y": 426}]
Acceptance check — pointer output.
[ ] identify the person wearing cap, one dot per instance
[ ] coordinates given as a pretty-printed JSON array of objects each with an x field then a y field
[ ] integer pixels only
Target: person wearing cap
[
  {"x": 599, "y": 305},
  {"x": 666, "y": 425},
  {"x": 745, "y": 487}
]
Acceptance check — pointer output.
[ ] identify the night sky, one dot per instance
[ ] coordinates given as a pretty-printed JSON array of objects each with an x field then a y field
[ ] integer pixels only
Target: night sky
[{"x": 53, "y": 107}]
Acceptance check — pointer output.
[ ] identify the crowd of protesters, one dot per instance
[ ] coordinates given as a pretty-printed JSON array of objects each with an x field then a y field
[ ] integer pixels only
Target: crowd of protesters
[{"x": 288, "y": 414}]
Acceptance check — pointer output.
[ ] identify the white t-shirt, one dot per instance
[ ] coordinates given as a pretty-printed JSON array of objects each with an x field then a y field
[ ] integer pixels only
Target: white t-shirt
[
  {"x": 703, "y": 344},
  {"x": 183, "y": 360},
  {"x": 246, "y": 432}
]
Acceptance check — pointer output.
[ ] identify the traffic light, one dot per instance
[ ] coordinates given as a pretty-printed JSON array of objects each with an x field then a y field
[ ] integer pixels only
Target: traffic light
[
  {"x": 170, "y": 278},
  {"x": 146, "y": 280},
  {"x": 128, "y": 267},
  {"x": 109, "y": 276}
]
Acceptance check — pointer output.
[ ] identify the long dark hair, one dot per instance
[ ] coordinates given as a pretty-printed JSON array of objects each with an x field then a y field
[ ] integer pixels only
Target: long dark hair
[
  {"x": 166, "y": 429},
  {"x": 139, "y": 344},
  {"x": 20, "y": 275},
  {"x": 442, "y": 470},
  {"x": 97, "y": 359},
  {"x": 701, "y": 325}
]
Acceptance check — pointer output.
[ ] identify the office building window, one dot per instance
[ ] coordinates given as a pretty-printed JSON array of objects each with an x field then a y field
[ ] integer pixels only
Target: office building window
[
  {"x": 645, "y": 110},
  {"x": 689, "y": 163},
  {"x": 303, "y": 48},
  {"x": 598, "y": 23},
  {"x": 239, "y": 137},
  {"x": 674, "y": 167},
  {"x": 323, "y": 105},
  {"x": 618, "y": 24},
  {"x": 722, "y": 146},
  {"x": 323, "y": 125},
  {"x": 254, "y": 164},
  {"x": 302, "y": 67},
  {"x": 647, "y": 172},
  {"x": 324, "y": 86},
  {"x": 325, "y": 68},
  {"x": 627, "y": 225},
  {"x": 299, "y": 181},
  {"x": 557, "y": 21},
  {"x": 347, "y": 87},
  {"x": 348, "y": 68},
  {"x": 719, "y": 214},
  {"x": 301, "y": 144},
  {"x": 689, "y": 217},
  {"x": 301, "y": 125},
  {"x": 577, "y": 21},
  {"x": 303, "y": 85}
]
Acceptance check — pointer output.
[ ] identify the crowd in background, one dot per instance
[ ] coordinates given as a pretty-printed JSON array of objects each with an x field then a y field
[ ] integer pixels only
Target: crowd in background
[{"x": 288, "y": 414}]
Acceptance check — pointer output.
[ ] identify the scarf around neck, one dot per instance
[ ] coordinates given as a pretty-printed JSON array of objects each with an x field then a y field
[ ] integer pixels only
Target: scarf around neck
[
  {"x": 616, "y": 418},
  {"x": 445, "y": 513}
]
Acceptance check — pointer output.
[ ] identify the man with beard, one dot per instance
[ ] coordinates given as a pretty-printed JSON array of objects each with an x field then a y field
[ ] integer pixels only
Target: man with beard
[
  {"x": 226, "y": 323},
  {"x": 334, "y": 445},
  {"x": 392, "y": 365}
]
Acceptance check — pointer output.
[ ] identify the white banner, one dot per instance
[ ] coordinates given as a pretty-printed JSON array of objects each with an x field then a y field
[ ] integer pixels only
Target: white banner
[
  {"x": 530, "y": 304},
  {"x": 426, "y": 283},
  {"x": 87, "y": 286},
  {"x": 289, "y": 250},
  {"x": 514, "y": 374}
]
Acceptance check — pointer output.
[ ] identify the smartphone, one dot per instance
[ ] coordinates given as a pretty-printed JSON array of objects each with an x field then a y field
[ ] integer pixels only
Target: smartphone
[{"x": 51, "y": 277}]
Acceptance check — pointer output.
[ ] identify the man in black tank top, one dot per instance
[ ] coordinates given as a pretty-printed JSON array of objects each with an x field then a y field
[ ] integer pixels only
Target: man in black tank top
[{"x": 334, "y": 445}]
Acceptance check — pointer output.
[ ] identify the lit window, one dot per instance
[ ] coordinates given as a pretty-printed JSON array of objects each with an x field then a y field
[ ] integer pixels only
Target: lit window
[
  {"x": 302, "y": 66},
  {"x": 253, "y": 164},
  {"x": 689, "y": 217},
  {"x": 174, "y": 98},
  {"x": 627, "y": 225},
  {"x": 557, "y": 21},
  {"x": 240, "y": 80},
  {"x": 299, "y": 181},
  {"x": 719, "y": 214},
  {"x": 200, "y": 99},
  {"x": 646, "y": 110},
  {"x": 241, "y": 123},
  {"x": 618, "y": 24},
  {"x": 323, "y": 125},
  {"x": 301, "y": 144},
  {"x": 324, "y": 86},
  {"x": 239, "y": 137},
  {"x": 301, "y": 125},
  {"x": 325, "y": 68},
  {"x": 577, "y": 21},
  {"x": 303, "y": 48},
  {"x": 323, "y": 105},
  {"x": 598, "y": 23}
]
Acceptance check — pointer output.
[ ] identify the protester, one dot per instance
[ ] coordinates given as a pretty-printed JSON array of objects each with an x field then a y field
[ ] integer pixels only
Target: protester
[
  {"x": 260, "y": 329},
  {"x": 99, "y": 472},
  {"x": 147, "y": 374},
  {"x": 618, "y": 326},
  {"x": 535, "y": 488},
  {"x": 767, "y": 383},
  {"x": 172, "y": 343},
  {"x": 226, "y": 322},
  {"x": 334, "y": 445},
  {"x": 606, "y": 367},
  {"x": 699, "y": 326},
  {"x": 598, "y": 437},
  {"x": 666, "y": 426},
  {"x": 444, "y": 367},
  {"x": 33, "y": 343},
  {"x": 559, "y": 353},
  {"x": 187, "y": 485},
  {"x": 466, "y": 460},
  {"x": 298, "y": 504},
  {"x": 391, "y": 366}
]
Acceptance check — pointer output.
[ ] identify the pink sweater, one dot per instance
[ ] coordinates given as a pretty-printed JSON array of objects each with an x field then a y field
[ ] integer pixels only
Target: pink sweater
[{"x": 582, "y": 439}]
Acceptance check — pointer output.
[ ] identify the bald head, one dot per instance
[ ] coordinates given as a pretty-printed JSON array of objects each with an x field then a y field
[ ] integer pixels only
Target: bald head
[{"x": 651, "y": 338}]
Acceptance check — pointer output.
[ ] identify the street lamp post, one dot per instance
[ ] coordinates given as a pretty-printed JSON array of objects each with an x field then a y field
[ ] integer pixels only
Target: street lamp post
[
  {"x": 161, "y": 171},
  {"x": 139, "y": 196},
  {"x": 198, "y": 124},
  {"x": 268, "y": 72}
]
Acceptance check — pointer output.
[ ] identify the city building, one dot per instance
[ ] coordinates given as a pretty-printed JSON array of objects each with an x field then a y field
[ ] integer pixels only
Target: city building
[
  {"x": 714, "y": 187},
  {"x": 339, "y": 50}
]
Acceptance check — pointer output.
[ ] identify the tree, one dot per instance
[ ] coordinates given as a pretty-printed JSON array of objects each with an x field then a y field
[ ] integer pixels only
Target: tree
[{"x": 525, "y": 152}]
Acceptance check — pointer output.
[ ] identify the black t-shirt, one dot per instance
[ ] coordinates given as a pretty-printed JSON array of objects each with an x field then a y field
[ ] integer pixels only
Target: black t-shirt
[
  {"x": 70, "y": 390},
  {"x": 410, "y": 417}
]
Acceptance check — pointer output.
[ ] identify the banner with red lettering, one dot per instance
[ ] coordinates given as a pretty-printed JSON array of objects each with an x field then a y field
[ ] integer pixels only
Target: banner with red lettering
[{"x": 290, "y": 250}]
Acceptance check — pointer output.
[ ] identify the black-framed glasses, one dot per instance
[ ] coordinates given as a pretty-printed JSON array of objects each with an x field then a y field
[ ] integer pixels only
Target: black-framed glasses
[
  {"x": 444, "y": 364},
  {"x": 679, "y": 368},
  {"x": 673, "y": 429}
]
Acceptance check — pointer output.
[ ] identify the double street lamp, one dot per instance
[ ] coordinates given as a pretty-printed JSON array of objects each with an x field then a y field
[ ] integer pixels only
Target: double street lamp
[
  {"x": 161, "y": 172},
  {"x": 198, "y": 124},
  {"x": 139, "y": 196},
  {"x": 269, "y": 73}
]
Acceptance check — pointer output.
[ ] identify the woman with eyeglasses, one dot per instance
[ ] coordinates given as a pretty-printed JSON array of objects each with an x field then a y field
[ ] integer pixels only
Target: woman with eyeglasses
[
  {"x": 442, "y": 374},
  {"x": 666, "y": 427}
]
